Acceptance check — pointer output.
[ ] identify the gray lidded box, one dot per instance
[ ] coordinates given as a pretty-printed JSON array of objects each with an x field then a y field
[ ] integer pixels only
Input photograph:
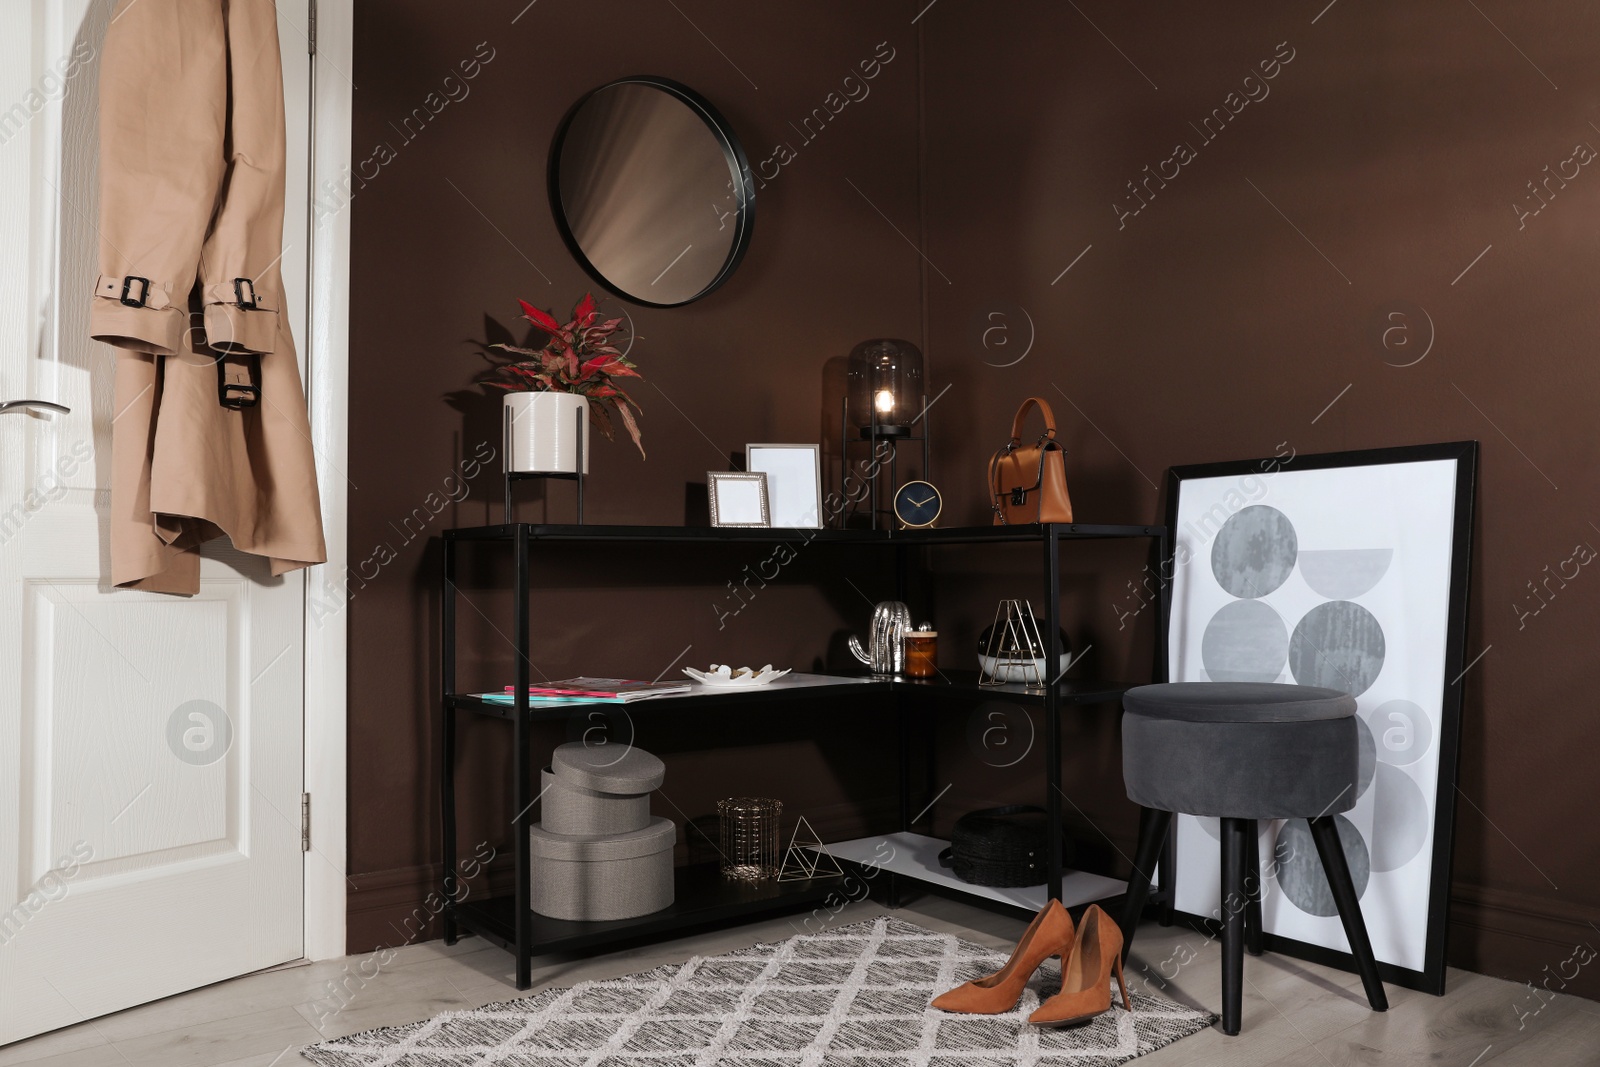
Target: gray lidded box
[
  {"x": 608, "y": 768},
  {"x": 597, "y": 878},
  {"x": 601, "y": 789},
  {"x": 586, "y": 812}
]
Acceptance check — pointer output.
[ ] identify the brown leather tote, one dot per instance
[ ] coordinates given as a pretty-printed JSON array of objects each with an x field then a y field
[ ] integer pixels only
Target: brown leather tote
[{"x": 1028, "y": 483}]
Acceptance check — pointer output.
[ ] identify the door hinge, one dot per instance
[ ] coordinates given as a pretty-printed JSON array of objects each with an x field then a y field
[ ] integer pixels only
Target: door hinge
[
  {"x": 305, "y": 822},
  {"x": 311, "y": 26}
]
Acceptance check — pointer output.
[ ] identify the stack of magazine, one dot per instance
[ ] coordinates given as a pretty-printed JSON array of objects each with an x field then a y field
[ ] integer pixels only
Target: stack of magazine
[{"x": 589, "y": 691}]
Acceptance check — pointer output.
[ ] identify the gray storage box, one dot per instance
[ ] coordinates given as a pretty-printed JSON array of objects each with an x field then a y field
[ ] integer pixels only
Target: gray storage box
[
  {"x": 600, "y": 789},
  {"x": 610, "y": 768},
  {"x": 618, "y": 876},
  {"x": 570, "y": 809}
]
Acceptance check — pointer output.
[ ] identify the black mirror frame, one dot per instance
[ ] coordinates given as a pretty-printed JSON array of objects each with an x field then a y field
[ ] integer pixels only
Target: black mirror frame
[{"x": 732, "y": 151}]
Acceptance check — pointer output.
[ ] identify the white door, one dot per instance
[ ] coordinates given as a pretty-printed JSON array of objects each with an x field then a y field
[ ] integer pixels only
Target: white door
[{"x": 150, "y": 746}]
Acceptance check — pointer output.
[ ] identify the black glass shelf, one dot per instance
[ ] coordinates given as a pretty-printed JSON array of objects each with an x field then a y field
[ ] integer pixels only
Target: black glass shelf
[
  {"x": 701, "y": 896},
  {"x": 954, "y": 684},
  {"x": 847, "y": 685},
  {"x": 964, "y": 684},
  {"x": 772, "y": 535}
]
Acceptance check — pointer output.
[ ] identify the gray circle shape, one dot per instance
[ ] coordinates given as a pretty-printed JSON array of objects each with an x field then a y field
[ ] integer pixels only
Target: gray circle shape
[
  {"x": 1400, "y": 819},
  {"x": 1403, "y": 732},
  {"x": 1344, "y": 573},
  {"x": 199, "y": 732},
  {"x": 1337, "y": 645},
  {"x": 1245, "y": 641},
  {"x": 1000, "y": 734},
  {"x": 1300, "y": 873},
  {"x": 1254, "y": 552},
  {"x": 1366, "y": 757}
]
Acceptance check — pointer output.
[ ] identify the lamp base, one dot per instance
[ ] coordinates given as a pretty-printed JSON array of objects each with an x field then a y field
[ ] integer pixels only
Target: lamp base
[{"x": 883, "y": 430}]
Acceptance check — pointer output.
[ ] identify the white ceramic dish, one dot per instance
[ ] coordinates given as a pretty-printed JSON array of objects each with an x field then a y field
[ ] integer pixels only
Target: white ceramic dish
[{"x": 726, "y": 677}]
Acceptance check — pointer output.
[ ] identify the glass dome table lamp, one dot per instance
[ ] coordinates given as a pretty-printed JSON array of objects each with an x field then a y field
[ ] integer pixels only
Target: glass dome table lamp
[
  {"x": 885, "y": 393},
  {"x": 885, "y": 405}
]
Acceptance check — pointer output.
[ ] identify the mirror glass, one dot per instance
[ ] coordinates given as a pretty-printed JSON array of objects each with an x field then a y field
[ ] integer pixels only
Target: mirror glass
[{"x": 651, "y": 191}]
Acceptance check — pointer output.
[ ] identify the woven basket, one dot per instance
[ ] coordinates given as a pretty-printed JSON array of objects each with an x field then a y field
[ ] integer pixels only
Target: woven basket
[{"x": 1001, "y": 847}]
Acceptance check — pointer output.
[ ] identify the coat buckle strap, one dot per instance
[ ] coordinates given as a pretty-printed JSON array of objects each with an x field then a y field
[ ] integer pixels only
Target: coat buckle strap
[
  {"x": 134, "y": 291},
  {"x": 236, "y": 388},
  {"x": 144, "y": 291},
  {"x": 241, "y": 301},
  {"x": 238, "y": 396}
]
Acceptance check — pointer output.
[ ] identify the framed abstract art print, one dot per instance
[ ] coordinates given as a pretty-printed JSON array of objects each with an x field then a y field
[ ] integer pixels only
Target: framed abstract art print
[{"x": 1346, "y": 570}]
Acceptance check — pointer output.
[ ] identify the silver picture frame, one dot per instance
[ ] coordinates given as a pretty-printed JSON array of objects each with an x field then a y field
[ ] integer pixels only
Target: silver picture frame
[
  {"x": 738, "y": 498},
  {"x": 794, "y": 482}
]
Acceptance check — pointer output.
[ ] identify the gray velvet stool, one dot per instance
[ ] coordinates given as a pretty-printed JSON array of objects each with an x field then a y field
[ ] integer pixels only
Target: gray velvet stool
[{"x": 1244, "y": 751}]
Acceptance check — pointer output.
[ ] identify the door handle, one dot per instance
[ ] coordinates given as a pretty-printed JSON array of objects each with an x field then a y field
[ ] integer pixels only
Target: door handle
[{"x": 51, "y": 404}]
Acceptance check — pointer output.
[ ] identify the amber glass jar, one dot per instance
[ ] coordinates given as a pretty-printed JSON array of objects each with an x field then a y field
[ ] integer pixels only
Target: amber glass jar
[{"x": 922, "y": 653}]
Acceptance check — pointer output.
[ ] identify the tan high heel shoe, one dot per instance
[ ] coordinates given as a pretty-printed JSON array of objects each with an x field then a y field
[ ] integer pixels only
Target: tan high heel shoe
[
  {"x": 1050, "y": 934},
  {"x": 1086, "y": 974}
]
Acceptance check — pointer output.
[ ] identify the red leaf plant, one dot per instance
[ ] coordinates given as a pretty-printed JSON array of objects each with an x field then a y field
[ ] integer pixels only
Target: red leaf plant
[{"x": 578, "y": 358}]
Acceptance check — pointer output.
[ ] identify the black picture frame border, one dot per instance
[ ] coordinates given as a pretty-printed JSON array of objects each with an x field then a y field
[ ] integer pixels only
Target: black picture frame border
[
  {"x": 744, "y": 185},
  {"x": 1431, "y": 979}
]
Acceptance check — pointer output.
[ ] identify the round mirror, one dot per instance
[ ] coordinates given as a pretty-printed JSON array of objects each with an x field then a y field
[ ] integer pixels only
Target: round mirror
[{"x": 651, "y": 191}]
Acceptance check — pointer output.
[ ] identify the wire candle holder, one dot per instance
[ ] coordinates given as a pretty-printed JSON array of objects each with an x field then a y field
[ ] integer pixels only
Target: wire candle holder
[{"x": 749, "y": 834}]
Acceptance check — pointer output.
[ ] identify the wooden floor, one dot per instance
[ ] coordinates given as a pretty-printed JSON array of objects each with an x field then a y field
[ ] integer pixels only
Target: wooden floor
[{"x": 1294, "y": 1013}]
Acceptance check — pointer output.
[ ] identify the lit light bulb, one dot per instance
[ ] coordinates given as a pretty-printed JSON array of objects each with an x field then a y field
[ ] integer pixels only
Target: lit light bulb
[{"x": 883, "y": 400}]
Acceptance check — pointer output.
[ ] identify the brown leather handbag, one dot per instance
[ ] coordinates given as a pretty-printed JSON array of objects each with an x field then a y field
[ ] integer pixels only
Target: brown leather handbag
[{"x": 1028, "y": 483}]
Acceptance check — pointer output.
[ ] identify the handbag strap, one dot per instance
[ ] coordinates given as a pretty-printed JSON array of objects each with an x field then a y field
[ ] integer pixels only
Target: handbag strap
[{"x": 1022, "y": 416}]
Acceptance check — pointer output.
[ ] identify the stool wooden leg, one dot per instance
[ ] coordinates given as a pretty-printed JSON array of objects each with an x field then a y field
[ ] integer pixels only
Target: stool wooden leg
[
  {"x": 1325, "y": 832},
  {"x": 1152, "y": 839},
  {"x": 1234, "y": 834},
  {"x": 1253, "y": 934}
]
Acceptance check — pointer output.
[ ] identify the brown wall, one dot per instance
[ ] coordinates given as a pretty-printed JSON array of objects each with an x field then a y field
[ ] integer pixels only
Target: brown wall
[{"x": 1206, "y": 327}]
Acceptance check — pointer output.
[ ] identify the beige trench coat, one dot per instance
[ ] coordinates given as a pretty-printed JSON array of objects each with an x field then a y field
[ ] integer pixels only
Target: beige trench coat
[{"x": 191, "y": 232}]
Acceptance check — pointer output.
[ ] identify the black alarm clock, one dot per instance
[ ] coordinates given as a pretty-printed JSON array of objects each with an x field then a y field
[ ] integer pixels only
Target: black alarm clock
[{"x": 917, "y": 505}]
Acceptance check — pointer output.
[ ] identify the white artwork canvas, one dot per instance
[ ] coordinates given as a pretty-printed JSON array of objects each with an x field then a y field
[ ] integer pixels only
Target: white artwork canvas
[{"x": 1336, "y": 577}]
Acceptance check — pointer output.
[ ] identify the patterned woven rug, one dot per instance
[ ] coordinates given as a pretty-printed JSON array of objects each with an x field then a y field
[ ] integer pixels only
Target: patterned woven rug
[{"x": 854, "y": 996}]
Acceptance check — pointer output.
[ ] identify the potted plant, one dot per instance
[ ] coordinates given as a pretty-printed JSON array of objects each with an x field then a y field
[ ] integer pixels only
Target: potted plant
[{"x": 570, "y": 382}]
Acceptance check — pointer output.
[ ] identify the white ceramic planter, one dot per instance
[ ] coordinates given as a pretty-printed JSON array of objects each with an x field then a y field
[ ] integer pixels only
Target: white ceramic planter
[{"x": 541, "y": 432}]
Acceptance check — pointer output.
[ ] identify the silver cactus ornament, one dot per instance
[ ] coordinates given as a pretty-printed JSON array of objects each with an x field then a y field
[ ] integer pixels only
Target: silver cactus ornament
[{"x": 886, "y": 645}]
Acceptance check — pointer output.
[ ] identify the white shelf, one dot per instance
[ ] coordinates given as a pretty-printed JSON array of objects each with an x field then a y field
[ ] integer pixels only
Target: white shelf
[{"x": 917, "y": 856}]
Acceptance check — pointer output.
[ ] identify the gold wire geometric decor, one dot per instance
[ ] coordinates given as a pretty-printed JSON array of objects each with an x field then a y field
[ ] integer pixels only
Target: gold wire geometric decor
[
  {"x": 1016, "y": 649},
  {"x": 807, "y": 857}
]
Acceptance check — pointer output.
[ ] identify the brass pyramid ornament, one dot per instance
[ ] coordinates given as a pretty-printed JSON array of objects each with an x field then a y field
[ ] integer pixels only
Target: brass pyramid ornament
[{"x": 808, "y": 858}]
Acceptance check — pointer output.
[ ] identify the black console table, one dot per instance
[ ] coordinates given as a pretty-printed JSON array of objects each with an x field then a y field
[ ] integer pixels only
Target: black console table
[{"x": 702, "y": 895}]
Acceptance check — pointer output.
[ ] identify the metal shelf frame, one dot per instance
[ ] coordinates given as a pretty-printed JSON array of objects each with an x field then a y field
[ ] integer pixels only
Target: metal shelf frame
[{"x": 510, "y": 921}]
